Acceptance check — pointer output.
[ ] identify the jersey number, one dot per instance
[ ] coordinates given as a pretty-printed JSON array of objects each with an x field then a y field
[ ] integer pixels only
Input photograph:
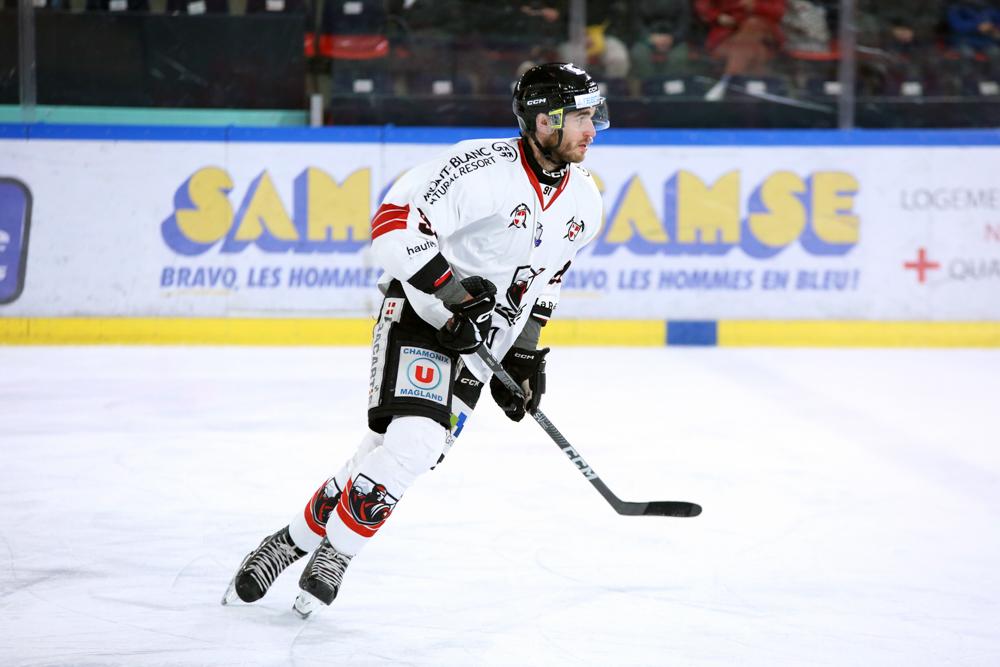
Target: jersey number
[{"x": 425, "y": 225}]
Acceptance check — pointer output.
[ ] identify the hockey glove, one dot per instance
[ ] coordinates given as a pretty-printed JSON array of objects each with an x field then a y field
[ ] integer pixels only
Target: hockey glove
[
  {"x": 527, "y": 367},
  {"x": 470, "y": 322}
]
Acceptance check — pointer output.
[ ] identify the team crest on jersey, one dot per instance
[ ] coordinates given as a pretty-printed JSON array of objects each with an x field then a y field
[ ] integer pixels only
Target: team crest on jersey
[
  {"x": 505, "y": 150},
  {"x": 573, "y": 229},
  {"x": 519, "y": 217},
  {"x": 519, "y": 286},
  {"x": 369, "y": 503}
]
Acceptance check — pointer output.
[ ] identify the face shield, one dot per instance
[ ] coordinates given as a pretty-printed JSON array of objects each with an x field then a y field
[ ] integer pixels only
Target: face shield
[{"x": 600, "y": 118}]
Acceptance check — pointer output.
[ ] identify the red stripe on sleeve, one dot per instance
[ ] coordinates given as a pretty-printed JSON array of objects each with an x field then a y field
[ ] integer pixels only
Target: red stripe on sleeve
[
  {"x": 389, "y": 217},
  {"x": 388, "y": 227},
  {"x": 385, "y": 221},
  {"x": 443, "y": 279},
  {"x": 391, "y": 211}
]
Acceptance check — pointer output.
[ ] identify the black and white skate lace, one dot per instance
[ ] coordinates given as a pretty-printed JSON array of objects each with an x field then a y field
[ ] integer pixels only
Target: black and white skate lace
[
  {"x": 324, "y": 572},
  {"x": 264, "y": 564}
]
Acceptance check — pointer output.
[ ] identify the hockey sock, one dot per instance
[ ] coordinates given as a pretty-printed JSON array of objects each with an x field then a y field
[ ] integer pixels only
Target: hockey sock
[
  {"x": 411, "y": 446},
  {"x": 308, "y": 527}
]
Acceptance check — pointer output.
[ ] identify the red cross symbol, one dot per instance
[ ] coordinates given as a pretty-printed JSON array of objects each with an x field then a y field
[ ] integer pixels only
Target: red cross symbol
[{"x": 921, "y": 265}]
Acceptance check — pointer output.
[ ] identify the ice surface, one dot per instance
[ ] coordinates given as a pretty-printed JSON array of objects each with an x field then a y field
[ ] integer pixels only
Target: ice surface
[{"x": 852, "y": 512}]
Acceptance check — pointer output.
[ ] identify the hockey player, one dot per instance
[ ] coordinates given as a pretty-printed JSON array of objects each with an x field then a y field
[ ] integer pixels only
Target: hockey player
[{"x": 487, "y": 214}]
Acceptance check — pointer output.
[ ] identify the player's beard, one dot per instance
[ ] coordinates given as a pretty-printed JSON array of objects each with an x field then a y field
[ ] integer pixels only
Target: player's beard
[
  {"x": 559, "y": 151},
  {"x": 568, "y": 153}
]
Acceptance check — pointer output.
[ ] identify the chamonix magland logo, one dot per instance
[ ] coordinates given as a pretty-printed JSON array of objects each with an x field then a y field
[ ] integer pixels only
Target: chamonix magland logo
[{"x": 423, "y": 374}]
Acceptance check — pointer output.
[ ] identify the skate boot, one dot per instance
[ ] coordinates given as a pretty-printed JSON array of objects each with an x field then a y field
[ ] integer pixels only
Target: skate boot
[
  {"x": 321, "y": 579},
  {"x": 262, "y": 566}
]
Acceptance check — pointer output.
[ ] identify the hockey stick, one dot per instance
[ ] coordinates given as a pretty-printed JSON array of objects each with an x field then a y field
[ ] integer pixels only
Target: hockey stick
[{"x": 652, "y": 508}]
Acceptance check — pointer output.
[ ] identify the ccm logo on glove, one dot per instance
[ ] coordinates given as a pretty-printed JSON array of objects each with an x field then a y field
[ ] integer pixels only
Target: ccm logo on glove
[{"x": 527, "y": 368}]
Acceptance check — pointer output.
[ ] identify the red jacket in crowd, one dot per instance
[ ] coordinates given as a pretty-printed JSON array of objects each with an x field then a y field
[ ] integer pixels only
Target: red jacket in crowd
[{"x": 710, "y": 11}]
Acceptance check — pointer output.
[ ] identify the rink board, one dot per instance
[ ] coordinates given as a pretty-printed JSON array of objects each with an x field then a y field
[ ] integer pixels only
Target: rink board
[
  {"x": 138, "y": 234},
  {"x": 629, "y": 333}
]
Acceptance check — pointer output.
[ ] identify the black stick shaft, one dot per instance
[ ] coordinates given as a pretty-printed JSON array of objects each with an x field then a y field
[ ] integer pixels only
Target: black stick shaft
[{"x": 659, "y": 508}]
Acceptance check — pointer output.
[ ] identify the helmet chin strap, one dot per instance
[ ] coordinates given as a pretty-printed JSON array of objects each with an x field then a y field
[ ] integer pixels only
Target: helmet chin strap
[{"x": 546, "y": 153}]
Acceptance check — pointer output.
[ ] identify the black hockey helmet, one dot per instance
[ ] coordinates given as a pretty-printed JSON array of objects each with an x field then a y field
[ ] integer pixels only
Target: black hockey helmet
[{"x": 555, "y": 89}]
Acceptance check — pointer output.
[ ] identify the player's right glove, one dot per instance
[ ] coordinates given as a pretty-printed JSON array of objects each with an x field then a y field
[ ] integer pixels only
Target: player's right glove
[
  {"x": 527, "y": 367},
  {"x": 471, "y": 317}
]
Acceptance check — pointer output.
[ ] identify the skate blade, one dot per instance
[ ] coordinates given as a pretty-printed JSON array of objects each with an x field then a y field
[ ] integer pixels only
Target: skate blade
[
  {"x": 306, "y": 604},
  {"x": 230, "y": 594}
]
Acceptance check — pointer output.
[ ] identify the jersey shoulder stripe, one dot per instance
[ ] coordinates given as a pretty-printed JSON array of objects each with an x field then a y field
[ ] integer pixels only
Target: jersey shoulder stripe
[{"x": 389, "y": 217}]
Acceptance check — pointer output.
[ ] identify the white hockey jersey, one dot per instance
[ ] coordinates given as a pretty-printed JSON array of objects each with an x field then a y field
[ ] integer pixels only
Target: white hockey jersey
[{"x": 479, "y": 209}]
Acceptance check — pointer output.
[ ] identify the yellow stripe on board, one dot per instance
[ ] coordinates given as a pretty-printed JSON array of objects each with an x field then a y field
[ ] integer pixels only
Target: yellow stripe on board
[
  {"x": 644, "y": 333},
  {"x": 241, "y": 331},
  {"x": 775, "y": 333},
  {"x": 186, "y": 331},
  {"x": 633, "y": 333}
]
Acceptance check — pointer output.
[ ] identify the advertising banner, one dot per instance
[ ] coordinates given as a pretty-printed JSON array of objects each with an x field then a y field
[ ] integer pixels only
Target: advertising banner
[
  {"x": 264, "y": 228},
  {"x": 15, "y": 219}
]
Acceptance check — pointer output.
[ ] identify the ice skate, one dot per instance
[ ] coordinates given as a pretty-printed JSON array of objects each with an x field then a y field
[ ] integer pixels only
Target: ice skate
[
  {"x": 321, "y": 579},
  {"x": 261, "y": 567}
]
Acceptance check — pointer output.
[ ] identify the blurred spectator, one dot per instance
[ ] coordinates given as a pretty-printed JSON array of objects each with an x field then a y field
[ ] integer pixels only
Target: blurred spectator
[
  {"x": 516, "y": 36},
  {"x": 904, "y": 32},
  {"x": 430, "y": 30},
  {"x": 542, "y": 20},
  {"x": 974, "y": 27},
  {"x": 832, "y": 8},
  {"x": 542, "y": 26},
  {"x": 812, "y": 63},
  {"x": 746, "y": 34},
  {"x": 197, "y": 7},
  {"x": 805, "y": 27},
  {"x": 117, "y": 5},
  {"x": 659, "y": 31},
  {"x": 607, "y": 27},
  {"x": 277, "y": 7}
]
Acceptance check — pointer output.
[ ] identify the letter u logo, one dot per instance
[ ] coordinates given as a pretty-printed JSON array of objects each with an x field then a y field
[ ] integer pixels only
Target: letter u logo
[{"x": 425, "y": 374}]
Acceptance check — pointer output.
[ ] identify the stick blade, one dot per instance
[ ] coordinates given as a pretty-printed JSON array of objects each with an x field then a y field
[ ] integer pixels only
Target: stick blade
[
  {"x": 675, "y": 508},
  {"x": 672, "y": 508}
]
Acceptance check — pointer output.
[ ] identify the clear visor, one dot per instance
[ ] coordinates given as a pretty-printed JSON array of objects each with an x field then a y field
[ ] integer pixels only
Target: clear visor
[{"x": 580, "y": 117}]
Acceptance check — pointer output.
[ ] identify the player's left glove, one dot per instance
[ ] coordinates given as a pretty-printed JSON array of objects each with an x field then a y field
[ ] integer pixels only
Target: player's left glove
[{"x": 527, "y": 367}]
